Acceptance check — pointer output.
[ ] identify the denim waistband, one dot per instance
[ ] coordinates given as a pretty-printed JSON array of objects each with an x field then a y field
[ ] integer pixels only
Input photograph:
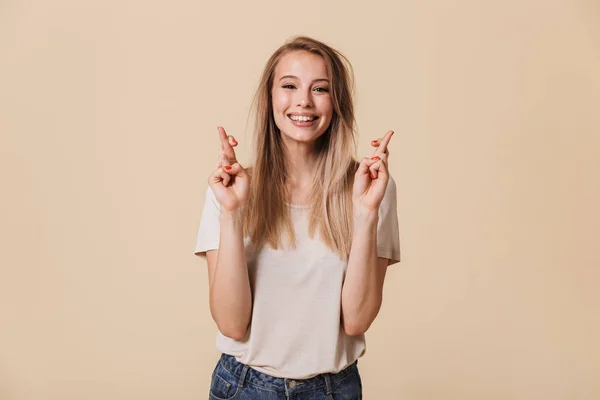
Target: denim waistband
[{"x": 271, "y": 382}]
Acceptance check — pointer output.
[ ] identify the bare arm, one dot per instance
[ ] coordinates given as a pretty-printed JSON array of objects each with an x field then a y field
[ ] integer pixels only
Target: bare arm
[
  {"x": 362, "y": 292},
  {"x": 230, "y": 296}
]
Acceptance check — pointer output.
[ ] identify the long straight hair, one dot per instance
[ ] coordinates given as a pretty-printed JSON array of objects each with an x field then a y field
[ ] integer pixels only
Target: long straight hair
[{"x": 266, "y": 216}]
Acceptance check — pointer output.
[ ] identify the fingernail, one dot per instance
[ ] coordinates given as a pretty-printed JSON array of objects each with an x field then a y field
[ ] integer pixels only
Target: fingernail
[
  {"x": 375, "y": 158},
  {"x": 373, "y": 142},
  {"x": 227, "y": 167},
  {"x": 372, "y": 175},
  {"x": 234, "y": 142}
]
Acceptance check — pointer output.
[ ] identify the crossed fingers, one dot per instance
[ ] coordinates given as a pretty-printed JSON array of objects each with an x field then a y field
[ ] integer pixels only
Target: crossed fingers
[
  {"x": 227, "y": 155},
  {"x": 381, "y": 144}
]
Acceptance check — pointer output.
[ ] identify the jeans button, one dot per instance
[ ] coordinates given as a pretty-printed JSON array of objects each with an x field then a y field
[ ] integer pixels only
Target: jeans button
[{"x": 293, "y": 384}]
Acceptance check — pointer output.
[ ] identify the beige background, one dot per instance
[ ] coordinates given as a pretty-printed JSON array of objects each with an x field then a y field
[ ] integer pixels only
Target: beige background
[{"x": 108, "y": 115}]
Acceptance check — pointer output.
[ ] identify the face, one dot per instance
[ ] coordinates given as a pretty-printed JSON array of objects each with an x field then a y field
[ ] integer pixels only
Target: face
[{"x": 302, "y": 105}]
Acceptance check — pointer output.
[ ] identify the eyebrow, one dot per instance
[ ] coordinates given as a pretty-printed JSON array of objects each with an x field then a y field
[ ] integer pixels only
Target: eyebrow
[{"x": 295, "y": 77}]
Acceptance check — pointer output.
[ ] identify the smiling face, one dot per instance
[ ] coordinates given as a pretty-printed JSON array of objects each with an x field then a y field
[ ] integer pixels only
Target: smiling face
[{"x": 302, "y": 106}]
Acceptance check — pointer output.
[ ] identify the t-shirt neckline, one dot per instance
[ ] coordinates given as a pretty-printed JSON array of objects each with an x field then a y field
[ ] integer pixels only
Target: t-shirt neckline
[{"x": 297, "y": 205}]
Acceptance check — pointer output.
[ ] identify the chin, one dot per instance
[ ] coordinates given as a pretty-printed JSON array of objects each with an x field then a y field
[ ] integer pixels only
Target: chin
[{"x": 303, "y": 134}]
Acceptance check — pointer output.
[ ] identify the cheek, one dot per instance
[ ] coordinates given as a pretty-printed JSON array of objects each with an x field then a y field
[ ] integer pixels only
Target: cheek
[
  {"x": 280, "y": 101},
  {"x": 326, "y": 107}
]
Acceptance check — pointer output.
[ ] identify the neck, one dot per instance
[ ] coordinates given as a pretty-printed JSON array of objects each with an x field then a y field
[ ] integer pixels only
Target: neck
[{"x": 301, "y": 164}]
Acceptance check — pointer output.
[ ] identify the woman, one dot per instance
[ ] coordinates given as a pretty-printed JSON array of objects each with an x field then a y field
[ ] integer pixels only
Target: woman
[{"x": 298, "y": 246}]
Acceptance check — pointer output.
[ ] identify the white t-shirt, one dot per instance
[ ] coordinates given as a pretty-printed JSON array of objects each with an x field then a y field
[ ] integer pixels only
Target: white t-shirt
[{"x": 296, "y": 330}]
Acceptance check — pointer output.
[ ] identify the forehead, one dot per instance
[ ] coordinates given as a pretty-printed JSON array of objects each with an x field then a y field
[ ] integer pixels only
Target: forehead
[{"x": 304, "y": 65}]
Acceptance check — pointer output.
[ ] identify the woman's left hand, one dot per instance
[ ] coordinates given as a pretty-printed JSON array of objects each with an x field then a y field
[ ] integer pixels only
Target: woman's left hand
[{"x": 371, "y": 178}]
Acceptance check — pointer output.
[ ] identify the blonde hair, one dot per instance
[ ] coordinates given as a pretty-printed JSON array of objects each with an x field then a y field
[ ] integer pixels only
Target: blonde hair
[{"x": 266, "y": 214}]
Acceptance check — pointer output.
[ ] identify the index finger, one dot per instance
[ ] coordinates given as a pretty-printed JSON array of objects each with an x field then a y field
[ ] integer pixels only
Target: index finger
[
  {"x": 384, "y": 142},
  {"x": 227, "y": 148}
]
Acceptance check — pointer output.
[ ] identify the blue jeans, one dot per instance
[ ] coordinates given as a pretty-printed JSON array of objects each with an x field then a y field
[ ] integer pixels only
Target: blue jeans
[{"x": 233, "y": 380}]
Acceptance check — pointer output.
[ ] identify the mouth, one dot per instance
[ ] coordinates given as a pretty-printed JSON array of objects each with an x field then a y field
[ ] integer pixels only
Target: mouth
[{"x": 302, "y": 120}]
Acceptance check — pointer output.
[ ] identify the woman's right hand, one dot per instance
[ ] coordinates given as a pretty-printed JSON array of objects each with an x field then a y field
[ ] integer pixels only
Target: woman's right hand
[{"x": 229, "y": 181}]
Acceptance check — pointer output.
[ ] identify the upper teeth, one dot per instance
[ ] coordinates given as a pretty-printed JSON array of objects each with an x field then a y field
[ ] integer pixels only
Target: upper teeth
[{"x": 301, "y": 118}]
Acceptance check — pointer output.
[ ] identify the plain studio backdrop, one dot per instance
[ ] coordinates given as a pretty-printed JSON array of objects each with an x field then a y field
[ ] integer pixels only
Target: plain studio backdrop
[{"x": 108, "y": 116}]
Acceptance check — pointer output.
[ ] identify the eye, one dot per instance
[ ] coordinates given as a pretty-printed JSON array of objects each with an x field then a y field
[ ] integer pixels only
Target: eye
[
  {"x": 289, "y": 86},
  {"x": 322, "y": 89}
]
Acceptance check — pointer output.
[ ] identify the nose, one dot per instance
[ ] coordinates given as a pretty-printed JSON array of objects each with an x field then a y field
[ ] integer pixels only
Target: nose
[{"x": 304, "y": 100}]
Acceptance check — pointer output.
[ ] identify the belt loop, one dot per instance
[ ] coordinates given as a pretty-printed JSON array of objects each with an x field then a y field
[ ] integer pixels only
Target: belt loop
[
  {"x": 328, "y": 386},
  {"x": 243, "y": 376}
]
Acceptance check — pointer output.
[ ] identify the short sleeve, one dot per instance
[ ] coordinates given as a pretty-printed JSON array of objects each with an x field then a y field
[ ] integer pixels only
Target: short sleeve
[
  {"x": 388, "y": 235},
  {"x": 209, "y": 231}
]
